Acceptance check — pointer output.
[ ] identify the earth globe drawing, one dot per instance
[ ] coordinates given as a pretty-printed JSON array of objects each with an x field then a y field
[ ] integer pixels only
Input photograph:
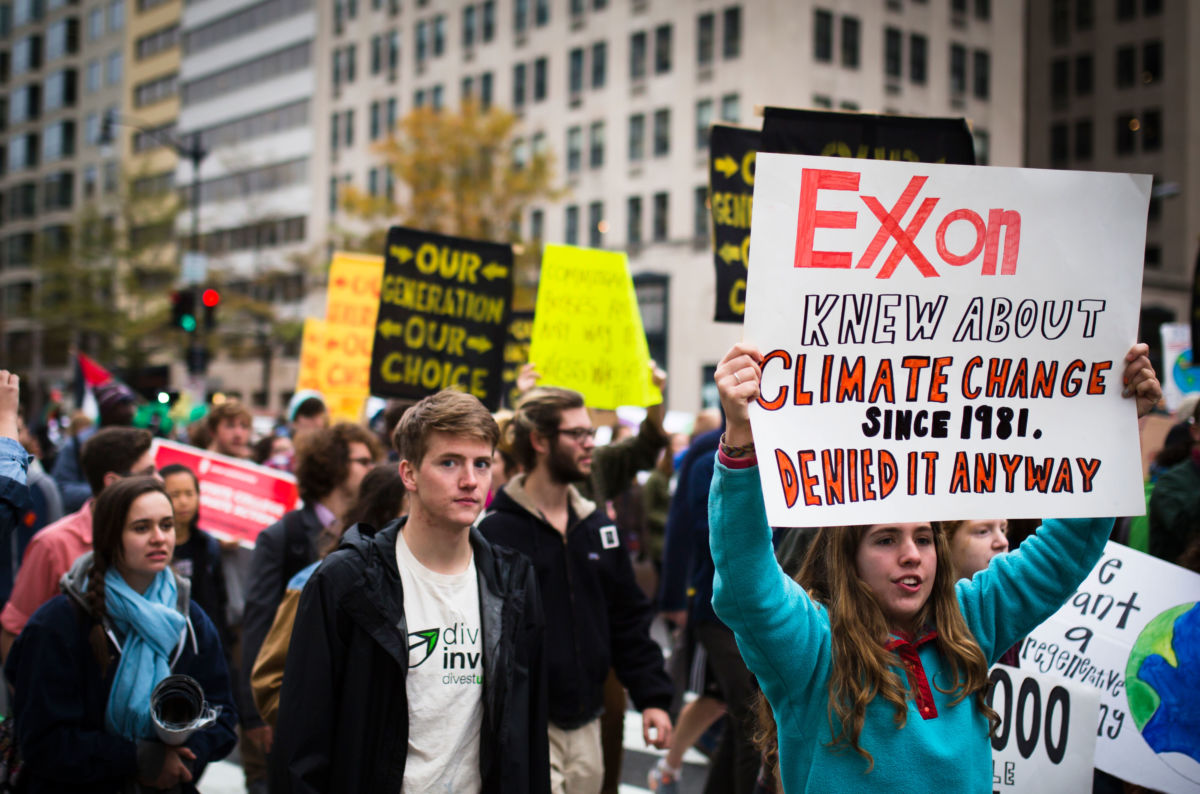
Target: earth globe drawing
[
  {"x": 1162, "y": 684},
  {"x": 1186, "y": 374}
]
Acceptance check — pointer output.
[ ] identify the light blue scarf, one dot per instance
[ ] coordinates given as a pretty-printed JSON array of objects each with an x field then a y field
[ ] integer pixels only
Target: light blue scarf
[{"x": 152, "y": 627}]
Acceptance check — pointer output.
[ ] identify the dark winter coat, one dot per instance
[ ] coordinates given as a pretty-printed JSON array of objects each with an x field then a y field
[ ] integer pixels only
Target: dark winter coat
[
  {"x": 596, "y": 614},
  {"x": 60, "y": 692},
  {"x": 343, "y": 710}
]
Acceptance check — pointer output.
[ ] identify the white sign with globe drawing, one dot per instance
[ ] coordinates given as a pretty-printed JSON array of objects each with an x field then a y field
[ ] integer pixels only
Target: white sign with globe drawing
[{"x": 1132, "y": 631}]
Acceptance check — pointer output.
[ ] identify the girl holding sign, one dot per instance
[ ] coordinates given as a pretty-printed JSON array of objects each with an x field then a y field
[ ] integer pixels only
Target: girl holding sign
[{"x": 876, "y": 676}]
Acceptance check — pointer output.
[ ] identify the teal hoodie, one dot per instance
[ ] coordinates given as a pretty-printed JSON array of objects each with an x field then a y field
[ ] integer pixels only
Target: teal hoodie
[{"x": 785, "y": 639}]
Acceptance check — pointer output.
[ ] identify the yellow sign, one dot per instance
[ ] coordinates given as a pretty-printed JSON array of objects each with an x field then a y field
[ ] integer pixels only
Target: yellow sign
[
  {"x": 587, "y": 331},
  {"x": 354, "y": 283},
  {"x": 336, "y": 361}
]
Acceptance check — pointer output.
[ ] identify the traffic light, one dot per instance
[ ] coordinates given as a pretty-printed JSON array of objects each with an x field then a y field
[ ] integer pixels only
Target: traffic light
[
  {"x": 211, "y": 299},
  {"x": 183, "y": 309}
]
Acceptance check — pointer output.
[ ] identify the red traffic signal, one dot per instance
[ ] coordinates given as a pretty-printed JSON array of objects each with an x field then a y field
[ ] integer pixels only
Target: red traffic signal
[{"x": 210, "y": 298}]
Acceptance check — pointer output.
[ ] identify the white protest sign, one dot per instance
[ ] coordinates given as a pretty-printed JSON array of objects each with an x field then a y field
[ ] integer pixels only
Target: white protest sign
[
  {"x": 1132, "y": 632},
  {"x": 943, "y": 341},
  {"x": 1046, "y": 738}
]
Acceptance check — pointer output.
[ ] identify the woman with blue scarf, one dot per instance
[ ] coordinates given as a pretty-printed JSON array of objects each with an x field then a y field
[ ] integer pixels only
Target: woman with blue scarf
[{"x": 85, "y": 665}]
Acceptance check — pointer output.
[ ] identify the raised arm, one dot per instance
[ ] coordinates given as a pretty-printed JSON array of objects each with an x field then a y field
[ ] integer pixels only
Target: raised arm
[{"x": 782, "y": 634}]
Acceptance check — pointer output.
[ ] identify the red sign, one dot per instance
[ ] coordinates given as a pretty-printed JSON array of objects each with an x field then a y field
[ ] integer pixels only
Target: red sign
[{"x": 238, "y": 499}]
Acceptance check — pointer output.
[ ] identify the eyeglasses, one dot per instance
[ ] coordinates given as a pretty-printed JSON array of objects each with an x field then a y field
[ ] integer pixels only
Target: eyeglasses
[
  {"x": 578, "y": 433},
  {"x": 362, "y": 461}
]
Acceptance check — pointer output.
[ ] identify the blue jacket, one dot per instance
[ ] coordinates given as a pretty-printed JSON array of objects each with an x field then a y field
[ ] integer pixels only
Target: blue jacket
[
  {"x": 60, "y": 694},
  {"x": 785, "y": 639}
]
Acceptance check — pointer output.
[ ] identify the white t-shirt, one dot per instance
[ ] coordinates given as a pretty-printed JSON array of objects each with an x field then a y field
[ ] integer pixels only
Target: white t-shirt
[{"x": 445, "y": 676}]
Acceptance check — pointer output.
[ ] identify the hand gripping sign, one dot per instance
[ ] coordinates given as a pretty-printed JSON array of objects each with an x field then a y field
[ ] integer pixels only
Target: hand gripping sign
[{"x": 943, "y": 341}]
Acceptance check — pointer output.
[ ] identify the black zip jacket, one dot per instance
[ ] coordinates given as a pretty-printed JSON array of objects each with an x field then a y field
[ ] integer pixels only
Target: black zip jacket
[
  {"x": 343, "y": 709},
  {"x": 596, "y": 615}
]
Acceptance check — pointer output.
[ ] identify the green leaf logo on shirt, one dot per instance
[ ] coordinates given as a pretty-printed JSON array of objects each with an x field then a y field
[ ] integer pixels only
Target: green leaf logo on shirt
[{"x": 429, "y": 638}]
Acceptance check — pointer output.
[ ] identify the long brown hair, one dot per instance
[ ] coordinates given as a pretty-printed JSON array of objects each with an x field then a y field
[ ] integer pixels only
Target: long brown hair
[{"x": 862, "y": 666}]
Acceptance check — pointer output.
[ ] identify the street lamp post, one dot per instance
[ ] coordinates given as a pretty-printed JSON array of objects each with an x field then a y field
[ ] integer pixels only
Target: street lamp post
[{"x": 193, "y": 150}]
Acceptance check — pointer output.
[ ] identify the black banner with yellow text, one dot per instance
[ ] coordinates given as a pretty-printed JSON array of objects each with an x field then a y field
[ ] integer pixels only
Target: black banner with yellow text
[{"x": 443, "y": 316}]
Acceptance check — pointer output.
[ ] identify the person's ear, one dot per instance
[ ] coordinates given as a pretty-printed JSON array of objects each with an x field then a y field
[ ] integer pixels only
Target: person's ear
[
  {"x": 110, "y": 477},
  {"x": 408, "y": 475},
  {"x": 539, "y": 442}
]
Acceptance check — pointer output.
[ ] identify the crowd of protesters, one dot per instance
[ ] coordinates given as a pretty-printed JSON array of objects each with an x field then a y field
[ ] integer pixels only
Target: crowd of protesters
[{"x": 464, "y": 602}]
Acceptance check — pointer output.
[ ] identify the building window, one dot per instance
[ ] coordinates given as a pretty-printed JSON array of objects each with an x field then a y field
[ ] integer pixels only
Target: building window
[
  {"x": 489, "y": 20},
  {"x": 1127, "y": 127},
  {"x": 518, "y": 85},
  {"x": 700, "y": 213},
  {"x": 116, "y": 15},
  {"x": 892, "y": 55},
  {"x": 633, "y": 221},
  {"x": 1152, "y": 62},
  {"x": 439, "y": 36},
  {"x": 574, "y": 149},
  {"x": 599, "y": 64},
  {"x": 637, "y": 55},
  {"x": 1059, "y": 145},
  {"x": 822, "y": 36},
  {"x": 918, "y": 57},
  {"x": 983, "y": 146},
  {"x": 662, "y": 49},
  {"x": 376, "y": 126},
  {"x": 1126, "y": 9},
  {"x": 731, "y": 32},
  {"x": 982, "y": 74},
  {"x": 571, "y": 225},
  {"x": 537, "y": 225},
  {"x": 1060, "y": 21},
  {"x": 575, "y": 72},
  {"x": 662, "y": 132},
  {"x": 660, "y": 221},
  {"x": 520, "y": 15},
  {"x": 1151, "y": 131},
  {"x": 1126, "y": 66},
  {"x": 705, "y": 39},
  {"x": 95, "y": 23},
  {"x": 1085, "y": 14},
  {"x": 113, "y": 68},
  {"x": 704, "y": 118},
  {"x": 730, "y": 108},
  {"x": 822, "y": 101},
  {"x": 1083, "y": 140},
  {"x": 637, "y": 137},
  {"x": 596, "y": 144},
  {"x": 958, "y": 69},
  {"x": 983, "y": 9},
  {"x": 1059, "y": 81},
  {"x": 1083, "y": 74},
  {"x": 541, "y": 13},
  {"x": 596, "y": 224},
  {"x": 850, "y": 36},
  {"x": 437, "y": 97},
  {"x": 540, "y": 69}
]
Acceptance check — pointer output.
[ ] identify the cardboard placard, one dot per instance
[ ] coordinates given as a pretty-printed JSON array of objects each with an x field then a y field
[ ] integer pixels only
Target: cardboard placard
[
  {"x": 731, "y": 198},
  {"x": 516, "y": 353},
  {"x": 1181, "y": 374},
  {"x": 443, "y": 315},
  {"x": 942, "y": 342},
  {"x": 238, "y": 499},
  {"x": 1046, "y": 739},
  {"x": 336, "y": 360},
  {"x": 587, "y": 329},
  {"x": 1131, "y": 632}
]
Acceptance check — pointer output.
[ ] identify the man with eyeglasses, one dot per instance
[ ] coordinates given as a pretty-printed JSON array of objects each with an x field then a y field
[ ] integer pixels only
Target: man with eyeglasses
[
  {"x": 596, "y": 615},
  {"x": 330, "y": 466},
  {"x": 110, "y": 454}
]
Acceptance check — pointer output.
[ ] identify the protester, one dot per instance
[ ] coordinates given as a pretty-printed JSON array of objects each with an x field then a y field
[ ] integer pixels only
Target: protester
[
  {"x": 840, "y": 657},
  {"x": 330, "y": 467},
  {"x": 1175, "y": 503},
  {"x": 197, "y": 553},
  {"x": 595, "y": 610},
  {"x": 228, "y": 426},
  {"x": 84, "y": 667},
  {"x": 306, "y": 412},
  {"x": 274, "y": 451},
  {"x": 973, "y": 544},
  {"x": 14, "y": 460},
  {"x": 116, "y": 405},
  {"x": 46, "y": 498},
  {"x": 656, "y": 499},
  {"x": 389, "y": 684},
  {"x": 380, "y": 501},
  {"x": 109, "y": 455}
]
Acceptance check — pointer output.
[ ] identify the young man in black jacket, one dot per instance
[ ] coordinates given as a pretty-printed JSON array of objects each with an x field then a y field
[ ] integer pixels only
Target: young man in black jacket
[
  {"x": 416, "y": 655},
  {"x": 596, "y": 615}
]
